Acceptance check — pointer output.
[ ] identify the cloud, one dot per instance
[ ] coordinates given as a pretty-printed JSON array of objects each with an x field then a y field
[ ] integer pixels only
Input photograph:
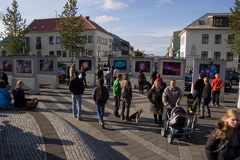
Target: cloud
[
  {"x": 111, "y": 5},
  {"x": 163, "y": 2},
  {"x": 117, "y": 30},
  {"x": 105, "y": 19}
]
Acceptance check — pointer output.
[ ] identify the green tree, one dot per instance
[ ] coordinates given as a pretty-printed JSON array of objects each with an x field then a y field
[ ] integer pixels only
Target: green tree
[
  {"x": 15, "y": 28},
  {"x": 234, "y": 24},
  {"x": 70, "y": 29},
  {"x": 138, "y": 53}
]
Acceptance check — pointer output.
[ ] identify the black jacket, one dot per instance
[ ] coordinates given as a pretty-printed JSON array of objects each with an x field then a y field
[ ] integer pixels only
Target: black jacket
[
  {"x": 19, "y": 98},
  {"x": 206, "y": 94},
  {"x": 94, "y": 94},
  {"x": 100, "y": 74},
  {"x": 199, "y": 85},
  {"x": 76, "y": 86},
  {"x": 214, "y": 144},
  {"x": 5, "y": 78}
]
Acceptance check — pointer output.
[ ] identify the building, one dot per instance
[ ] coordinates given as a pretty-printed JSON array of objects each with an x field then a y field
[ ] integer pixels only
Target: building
[
  {"x": 174, "y": 45},
  {"x": 45, "y": 40},
  {"x": 120, "y": 46},
  {"x": 208, "y": 38}
]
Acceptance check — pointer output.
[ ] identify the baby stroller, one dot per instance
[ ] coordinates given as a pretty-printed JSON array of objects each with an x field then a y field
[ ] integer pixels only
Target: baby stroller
[
  {"x": 175, "y": 124},
  {"x": 147, "y": 85}
]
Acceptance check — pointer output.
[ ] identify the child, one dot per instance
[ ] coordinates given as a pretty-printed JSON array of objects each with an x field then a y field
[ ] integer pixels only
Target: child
[{"x": 193, "y": 109}]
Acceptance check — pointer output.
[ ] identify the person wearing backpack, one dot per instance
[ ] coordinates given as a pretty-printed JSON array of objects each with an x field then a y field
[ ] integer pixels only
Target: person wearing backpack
[
  {"x": 76, "y": 87},
  {"x": 126, "y": 97},
  {"x": 117, "y": 94},
  {"x": 100, "y": 95}
]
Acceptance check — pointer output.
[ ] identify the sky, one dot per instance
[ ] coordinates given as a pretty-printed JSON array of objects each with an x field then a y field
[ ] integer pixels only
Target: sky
[{"x": 147, "y": 24}]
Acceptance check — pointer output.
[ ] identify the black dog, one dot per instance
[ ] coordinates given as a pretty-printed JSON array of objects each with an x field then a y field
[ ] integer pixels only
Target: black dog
[{"x": 136, "y": 115}]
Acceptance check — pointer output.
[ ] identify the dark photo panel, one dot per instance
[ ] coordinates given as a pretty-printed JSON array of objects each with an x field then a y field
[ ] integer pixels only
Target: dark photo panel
[{"x": 143, "y": 65}]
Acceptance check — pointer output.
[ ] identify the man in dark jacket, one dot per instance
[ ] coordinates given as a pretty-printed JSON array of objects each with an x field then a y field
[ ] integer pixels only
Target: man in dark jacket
[
  {"x": 4, "y": 77},
  {"x": 76, "y": 87},
  {"x": 100, "y": 95},
  {"x": 206, "y": 98},
  {"x": 100, "y": 73},
  {"x": 198, "y": 88}
]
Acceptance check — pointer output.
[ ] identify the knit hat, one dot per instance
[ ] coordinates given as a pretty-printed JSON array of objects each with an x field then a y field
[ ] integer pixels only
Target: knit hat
[
  {"x": 159, "y": 80},
  {"x": 190, "y": 96}
]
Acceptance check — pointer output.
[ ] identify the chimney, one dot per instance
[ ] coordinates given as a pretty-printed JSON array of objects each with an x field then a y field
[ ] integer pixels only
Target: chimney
[{"x": 87, "y": 17}]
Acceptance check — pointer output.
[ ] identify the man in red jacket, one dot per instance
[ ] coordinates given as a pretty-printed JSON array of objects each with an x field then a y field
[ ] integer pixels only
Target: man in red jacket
[{"x": 217, "y": 84}]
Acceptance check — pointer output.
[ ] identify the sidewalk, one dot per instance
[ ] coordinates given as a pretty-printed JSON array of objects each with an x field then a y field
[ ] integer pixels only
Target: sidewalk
[{"x": 51, "y": 132}]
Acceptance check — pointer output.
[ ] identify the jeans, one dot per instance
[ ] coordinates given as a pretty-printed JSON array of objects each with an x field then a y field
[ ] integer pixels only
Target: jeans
[
  {"x": 117, "y": 105},
  {"x": 190, "y": 118},
  {"x": 203, "y": 110},
  {"x": 85, "y": 82},
  {"x": 215, "y": 97},
  {"x": 126, "y": 103},
  {"x": 198, "y": 95},
  {"x": 100, "y": 112},
  {"x": 109, "y": 84},
  {"x": 77, "y": 98}
]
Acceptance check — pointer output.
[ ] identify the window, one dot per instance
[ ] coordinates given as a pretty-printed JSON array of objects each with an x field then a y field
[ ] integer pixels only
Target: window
[
  {"x": 90, "y": 39},
  {"x": 59, "y": 53},
  {"x": 106, "y": 41},
  {"x": 77, "y": 54},
  {"x": 99, "y": 40},
  {"x": 90, "y": 52},
  {"x": 205, "y": 39},
  {"x": 51, "y": 40},
  {"x": 64, "y": 54},
  {"x": 58, "y": 40},
  {"x": 39, "y": 53},
  {"x": 204, "y": 55},
  {"x": 218, "y": 39},
  {"x": 38, "y": 43},
  {"x": 218, "y": 22},
  {"x": 110, "y": 46},
  {"x": 201, "y": 22},
  {"x": 217, "y": 55},
  {"x": 110, "y": 40},
  {"x": 229, "y": 56},
  {"x": 51, "y": 53},
  {"x": 230, "y": 39}
]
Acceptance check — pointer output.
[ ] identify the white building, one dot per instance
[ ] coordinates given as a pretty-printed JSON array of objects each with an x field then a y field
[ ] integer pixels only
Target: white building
[
  {"x": 208, "y": 38},
  {"x": 44, "y": 39}
]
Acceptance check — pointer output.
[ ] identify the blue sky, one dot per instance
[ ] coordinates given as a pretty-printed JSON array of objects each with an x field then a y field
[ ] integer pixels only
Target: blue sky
[{"x": 146, "y": 24}]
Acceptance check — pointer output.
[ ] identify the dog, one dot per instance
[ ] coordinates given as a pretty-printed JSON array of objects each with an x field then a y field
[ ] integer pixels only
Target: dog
[{"x": 136, "y": 115}]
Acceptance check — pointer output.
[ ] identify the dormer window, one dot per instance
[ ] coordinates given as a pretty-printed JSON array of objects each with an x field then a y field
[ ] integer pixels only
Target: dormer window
[
  {"x": 201, "y": 22},
  {"x": 43, "y": 27},
  {"x": 35, "y": 27},
  {"x": 220, "y": 22}
]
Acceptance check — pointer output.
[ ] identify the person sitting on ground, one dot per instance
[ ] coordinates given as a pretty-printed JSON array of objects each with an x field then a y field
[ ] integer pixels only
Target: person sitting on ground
[
  {"x": 193, "y": 108},
  {"x": 224, "y": 142},
  {"x": 4, "y": 77},
  {"x": 19, "y": 97},
  {"x": 5, "y": 98}
]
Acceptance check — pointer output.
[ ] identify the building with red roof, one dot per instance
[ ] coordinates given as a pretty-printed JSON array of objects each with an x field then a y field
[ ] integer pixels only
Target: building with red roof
[{"x": 44, "y": 39}]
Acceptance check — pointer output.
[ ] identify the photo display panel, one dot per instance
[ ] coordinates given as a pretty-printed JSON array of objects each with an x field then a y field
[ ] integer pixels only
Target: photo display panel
[
  {"x": 209, "y": 70},
  {"x": 86, "y": 64},
  {"x": 143, "y": 65},
  {"x": 171, "y": 68},
  {"x": 7, "y": 65},
  {"x": 46, "y": 65},
  {"x": 120, "y": 64}
]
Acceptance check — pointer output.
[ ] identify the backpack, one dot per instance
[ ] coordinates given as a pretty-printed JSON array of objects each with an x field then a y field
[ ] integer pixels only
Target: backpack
[{"x": 102, "y": 94}]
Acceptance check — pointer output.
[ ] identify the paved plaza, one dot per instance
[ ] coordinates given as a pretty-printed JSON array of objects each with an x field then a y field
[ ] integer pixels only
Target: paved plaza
[{"x": 50, "y": 131}]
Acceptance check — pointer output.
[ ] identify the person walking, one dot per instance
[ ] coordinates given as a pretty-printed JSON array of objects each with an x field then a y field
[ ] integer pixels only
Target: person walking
[
  {"x": 198, "y": 88},
  {"x": 108, "y": 77},
  {"x": 156, "y": 103},
  {"x": 117, "y": 94},
  {"x": 100, "y": 73},
  {"x": 141, "y": 79},
  {"x": 154, "y": 75},
  {"x": 100, "y": 95},
  {"x": 126, "y": 97},
  {"x": 68, "y": 74},
  {"x": 76, "y": 88},
  {"x": 224, "y": 142},
  {"x": 171, "y": 96},
  {"x": 217, "y": 84},
  {"x": 72, "y": 71},
  {"x": 206, "y": 98},
  {"x": 4, "y": 77},
  {"x": 5, "y": 98},
  {"x": 83, "y": 72}
]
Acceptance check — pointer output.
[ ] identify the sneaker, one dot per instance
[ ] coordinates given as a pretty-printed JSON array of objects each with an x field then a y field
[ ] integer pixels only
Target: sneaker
[
  {"x": 80, "y": 119},
  {"x": 102, "y": 125},
  {"x": 208, "y": 116},
  {"x": 74, "y": 116},
  {"x": 201, "y": 117},
  {"x": 117, "y": 116}
]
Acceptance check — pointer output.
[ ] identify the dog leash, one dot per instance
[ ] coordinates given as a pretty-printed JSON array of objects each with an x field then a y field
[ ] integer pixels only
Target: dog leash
[{"x": 134, "y": 106}]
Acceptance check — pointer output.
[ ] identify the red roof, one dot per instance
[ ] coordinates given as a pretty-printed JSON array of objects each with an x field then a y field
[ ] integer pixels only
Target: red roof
[{"x": 47, "y": 25}]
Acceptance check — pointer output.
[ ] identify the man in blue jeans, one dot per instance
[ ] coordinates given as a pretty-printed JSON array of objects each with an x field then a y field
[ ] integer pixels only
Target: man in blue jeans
[
  {"x": 76, "y": 87},
  {"x": 100, "y": 95}
]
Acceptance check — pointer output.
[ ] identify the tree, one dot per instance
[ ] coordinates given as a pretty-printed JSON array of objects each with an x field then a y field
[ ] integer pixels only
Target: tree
[
  {"x": 234, "y": 24},
  {"x": 138, "y": 53},
  {"x": 70, "y": 29},
  {"x": 15, "y": 28}
]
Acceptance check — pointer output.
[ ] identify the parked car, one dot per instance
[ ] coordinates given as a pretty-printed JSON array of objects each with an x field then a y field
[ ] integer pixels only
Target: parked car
[
  {"x": 61, "y": 74},
  {"x": 233, "y": 76},
  {"x": 227, "y": 85}
]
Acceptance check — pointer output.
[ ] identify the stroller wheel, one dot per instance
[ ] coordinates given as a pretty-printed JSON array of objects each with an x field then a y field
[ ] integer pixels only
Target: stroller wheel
[
  {"x": 163, "y": 132},
  {"x": 170, "y": 138}
]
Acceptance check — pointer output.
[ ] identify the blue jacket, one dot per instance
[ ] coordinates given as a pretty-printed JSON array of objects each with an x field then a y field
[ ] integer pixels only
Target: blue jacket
[{"x": 5, "y": 98}]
